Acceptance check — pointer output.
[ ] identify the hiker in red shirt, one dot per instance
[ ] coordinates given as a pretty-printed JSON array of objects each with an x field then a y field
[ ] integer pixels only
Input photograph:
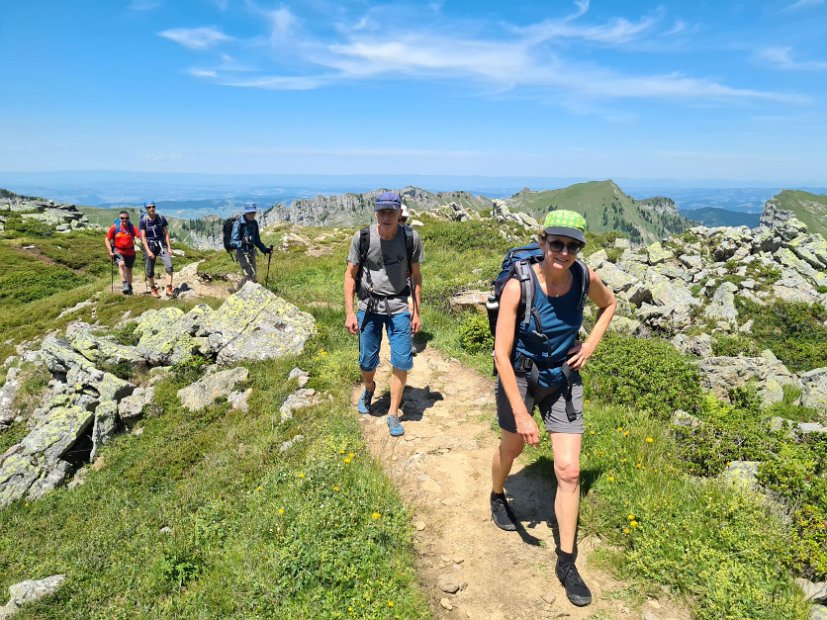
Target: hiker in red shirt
[{"x": 122, "y": 235}]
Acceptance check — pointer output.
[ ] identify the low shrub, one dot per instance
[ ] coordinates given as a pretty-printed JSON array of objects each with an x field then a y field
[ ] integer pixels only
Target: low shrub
[
  {"x": 728, "y": 433},
  {"x": 733, "y": 346},
  {"x": 475, "y": 334},
  {"x": 647, "y": 374},
  {"x": 190, "y": 369}
]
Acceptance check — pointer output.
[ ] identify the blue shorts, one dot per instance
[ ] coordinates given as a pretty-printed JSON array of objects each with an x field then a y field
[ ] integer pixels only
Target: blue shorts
[{"x": 398, "y": 327}]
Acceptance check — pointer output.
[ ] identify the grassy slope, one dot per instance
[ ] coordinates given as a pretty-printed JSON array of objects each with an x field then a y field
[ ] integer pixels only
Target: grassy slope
[
  {"x": 218, "y": 481},
  {"x": 602, "y": 203},
  {"x": 809, "y": 208}
]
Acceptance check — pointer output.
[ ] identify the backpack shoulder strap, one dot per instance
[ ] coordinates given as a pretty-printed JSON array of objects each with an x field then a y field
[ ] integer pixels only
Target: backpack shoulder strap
[
  {"x": 364, "y": 245},
  {"x": 585, "y": 280},
  {"x": 408, "y": 245},
  {"x": 522, "y": 269}
]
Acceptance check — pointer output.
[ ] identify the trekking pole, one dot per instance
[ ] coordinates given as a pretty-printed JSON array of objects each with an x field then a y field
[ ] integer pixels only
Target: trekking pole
[
  {"x": 269, "y": 256},
  {"x": 112, "y": 274}
]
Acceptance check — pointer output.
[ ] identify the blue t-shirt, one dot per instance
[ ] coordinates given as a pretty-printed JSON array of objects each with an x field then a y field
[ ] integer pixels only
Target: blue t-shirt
[
  {"x": 561, "y": 318},
  {"x": 153, "y": 229}
]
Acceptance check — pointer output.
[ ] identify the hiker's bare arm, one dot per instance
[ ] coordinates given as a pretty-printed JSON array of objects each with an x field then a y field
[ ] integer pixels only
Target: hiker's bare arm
[
  {"x": 169, "y": 244},
  {"x": 503, "y": 344},
  {"x": 416, "y": 279},
  {"x": 108, "y": 246},
  {"x": 351, "y": 323},
  {"x": 606, "y": 303},
  {"x": 145, "y": 244}
]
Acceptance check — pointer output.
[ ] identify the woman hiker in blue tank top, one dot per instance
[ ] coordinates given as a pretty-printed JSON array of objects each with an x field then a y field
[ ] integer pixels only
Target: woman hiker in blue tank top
[{"x": 547, "y": 357}]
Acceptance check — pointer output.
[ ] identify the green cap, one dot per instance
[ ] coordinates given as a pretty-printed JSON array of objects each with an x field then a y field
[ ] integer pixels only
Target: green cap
[{"x": 566, "y": 224}]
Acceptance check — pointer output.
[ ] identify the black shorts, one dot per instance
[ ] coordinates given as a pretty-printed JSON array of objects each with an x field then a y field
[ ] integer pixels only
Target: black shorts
[
  {"x": 551, "y": 403},
  {"x": 127, "y": 259}
]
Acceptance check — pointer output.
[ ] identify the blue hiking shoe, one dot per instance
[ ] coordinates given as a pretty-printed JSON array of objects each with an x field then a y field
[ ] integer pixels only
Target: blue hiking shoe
[
  {"x": 395, "y": 426},
  {"x": 363, "y": 406}
]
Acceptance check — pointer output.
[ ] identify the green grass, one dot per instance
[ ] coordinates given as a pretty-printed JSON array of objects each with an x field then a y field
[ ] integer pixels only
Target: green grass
[
  {"x": 218, "y": 480},
  {"x": 315, "y": 532}
]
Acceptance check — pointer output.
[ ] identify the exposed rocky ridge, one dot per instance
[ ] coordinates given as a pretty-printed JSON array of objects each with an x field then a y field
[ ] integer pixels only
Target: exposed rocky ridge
[
  {"x": 669, "y": 288},
  {"x": 63, "y": 217},
  {"x": 355, "y": 209},
  {"x": 85, "y": 404}
]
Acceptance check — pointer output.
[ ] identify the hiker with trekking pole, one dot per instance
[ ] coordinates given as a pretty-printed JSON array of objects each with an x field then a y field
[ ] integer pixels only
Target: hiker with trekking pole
[
  {"x": 155, "y": 237},
  {"x": 382, "y": 258},
  {"x": 120, "y": 243},
  {"x": 538, "y": 358},
  {"x": 244, "y": 239}
]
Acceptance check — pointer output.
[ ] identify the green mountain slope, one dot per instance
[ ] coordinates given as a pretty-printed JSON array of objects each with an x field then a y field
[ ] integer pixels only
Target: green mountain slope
[
  {"x": 606, "y": 208},
  {"x": 809, "y": 208}
]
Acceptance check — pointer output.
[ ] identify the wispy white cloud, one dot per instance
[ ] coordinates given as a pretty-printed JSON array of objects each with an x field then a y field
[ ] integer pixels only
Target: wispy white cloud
[
  {"x": 196, "y": 38},
  {"x": 497, "y": 58},
  {"x": 802, "y": 4},
  {"x": 782, "y": 58}
]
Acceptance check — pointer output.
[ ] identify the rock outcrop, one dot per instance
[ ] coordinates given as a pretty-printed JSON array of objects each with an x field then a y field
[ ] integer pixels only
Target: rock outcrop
[
  {"x": 85, "y": 404},
  {"x": 62, "y": 217}
]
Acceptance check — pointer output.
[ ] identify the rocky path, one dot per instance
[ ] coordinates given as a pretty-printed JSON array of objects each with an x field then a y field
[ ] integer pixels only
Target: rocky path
[{"x": 467, "y": 566}]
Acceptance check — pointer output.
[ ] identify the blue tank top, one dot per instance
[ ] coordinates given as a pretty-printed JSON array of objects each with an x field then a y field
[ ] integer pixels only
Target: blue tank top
[{"x": 561, "y": 318}]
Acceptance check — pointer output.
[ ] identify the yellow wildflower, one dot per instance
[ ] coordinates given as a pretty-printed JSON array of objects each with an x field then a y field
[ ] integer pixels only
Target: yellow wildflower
[
  {"x": 350, "y": 455},
  {"x": 626, "y": 530},
  {"x": 611, "y": 478},
  {"x": 391, "y": 603},
  {"x": 375, "y": 516},
  {"x": 650, "y": 440},
  {"x": 336, "y": 488},
  {"x": 633, "y": 523},
  {"x": 592, "y": 433},
  {"x": 281, "y": 511},
  {"x": 631, "y": 517},
  {"x": 625, "y": 433},
  {"x": 347, "y": 459},
  {"x": 341, "y": 451}
]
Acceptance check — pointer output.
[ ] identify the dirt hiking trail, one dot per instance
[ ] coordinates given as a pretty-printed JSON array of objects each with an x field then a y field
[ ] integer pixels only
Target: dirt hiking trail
[{"x": 442, "y": 468}]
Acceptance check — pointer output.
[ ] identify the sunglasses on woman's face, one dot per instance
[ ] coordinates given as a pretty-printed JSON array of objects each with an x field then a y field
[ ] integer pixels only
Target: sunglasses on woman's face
[{"x": 573, "y": 247}]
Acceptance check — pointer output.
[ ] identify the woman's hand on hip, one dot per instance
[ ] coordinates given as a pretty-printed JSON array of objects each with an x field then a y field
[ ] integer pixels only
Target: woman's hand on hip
[{"x": 579, "y": 354}]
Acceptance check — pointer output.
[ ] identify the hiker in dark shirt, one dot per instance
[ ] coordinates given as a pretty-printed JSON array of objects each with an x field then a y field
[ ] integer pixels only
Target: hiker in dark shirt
[
  {"x": 155, "y": 236},
  {"x": 549, "y": 357},
  {"x": 245, "y": 239}
]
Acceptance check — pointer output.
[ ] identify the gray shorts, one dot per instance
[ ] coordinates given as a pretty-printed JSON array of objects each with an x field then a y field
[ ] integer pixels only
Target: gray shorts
[
  {"x": 551, "y": 403},
  {"x": 149, "y": 263}
]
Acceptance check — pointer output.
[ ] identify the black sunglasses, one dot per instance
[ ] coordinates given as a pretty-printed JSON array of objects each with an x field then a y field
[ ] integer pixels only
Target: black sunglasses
[{"x": 573, "y": 247}]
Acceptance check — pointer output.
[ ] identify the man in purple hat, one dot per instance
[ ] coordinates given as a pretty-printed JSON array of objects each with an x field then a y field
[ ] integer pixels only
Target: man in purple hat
[{"x": 381, "y": 259}]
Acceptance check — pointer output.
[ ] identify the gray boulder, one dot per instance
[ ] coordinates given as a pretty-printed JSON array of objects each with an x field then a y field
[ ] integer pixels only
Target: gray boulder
[
  {"x": 721, "y": 374},
  {"x": 29, "y": 591},
  {"x": 35, "y": 465},
  {"x": 722, "y": 306},
  {"x": 814, "y": 389},
  {"x": 695, "y": 345},
  {"x": 301, "y": 398},
  {"x": 816, "y": 592},
  {"x": 256, "y": 324},
  {"x": 132, "y": 407},
  {"x": 211, "y": 387},
  {"x": 615, "y": 278},
  {"x": 7, "y": 395},
  {"x": 741, "y": 473}
]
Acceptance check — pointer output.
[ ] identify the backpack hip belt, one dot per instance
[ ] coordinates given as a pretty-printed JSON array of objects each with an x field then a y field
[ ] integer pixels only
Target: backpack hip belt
[{"x": 531, "y": 369}]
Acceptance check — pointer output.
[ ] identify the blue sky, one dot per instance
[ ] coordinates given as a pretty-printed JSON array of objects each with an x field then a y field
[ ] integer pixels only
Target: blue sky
[{"x": 593, "y": 89}]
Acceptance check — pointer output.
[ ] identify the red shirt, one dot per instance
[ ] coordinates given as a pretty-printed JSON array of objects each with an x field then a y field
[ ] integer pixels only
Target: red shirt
[{"x": 124, "y": 241}]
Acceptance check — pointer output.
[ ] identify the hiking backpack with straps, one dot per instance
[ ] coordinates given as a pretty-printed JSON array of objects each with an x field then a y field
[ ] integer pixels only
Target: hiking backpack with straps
[
  {"x": 227, "y": 232},
  {"x": 363, "y": 292},
  {"x": 130, "y": 228},
  {"x": 517, "y": 264}
]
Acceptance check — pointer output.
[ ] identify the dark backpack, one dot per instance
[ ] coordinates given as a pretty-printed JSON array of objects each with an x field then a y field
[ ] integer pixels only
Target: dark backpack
[
  {"x": 363, "y": 292},
  {"x": 227, "y": 232},
  {"x": 130, "y": 228},
  {"x": 517, "y": 264}
]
